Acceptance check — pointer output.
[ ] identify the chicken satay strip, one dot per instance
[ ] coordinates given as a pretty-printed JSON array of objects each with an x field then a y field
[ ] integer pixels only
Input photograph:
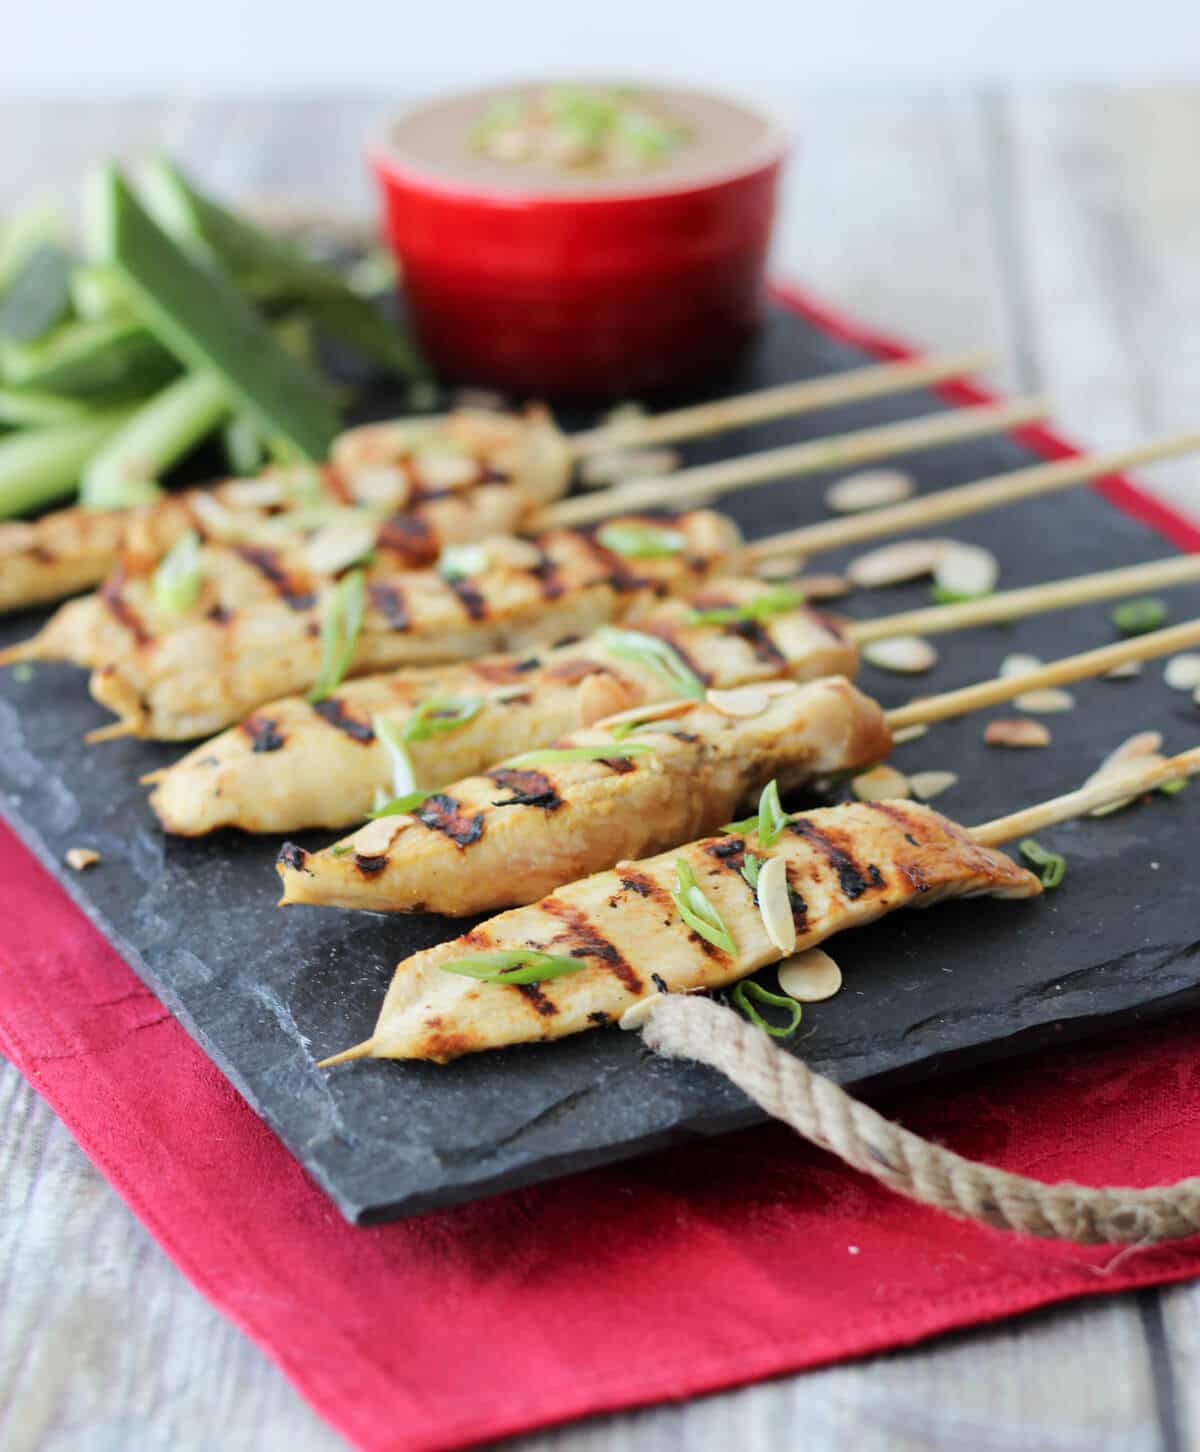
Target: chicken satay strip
[
  {"x": 206, "y": 676},
  {"x": 293, "y": 764},
  {"x": 72, "y": 549},
  {"x": 845, "y": 866},
  {"x": 522, "y": 829}
]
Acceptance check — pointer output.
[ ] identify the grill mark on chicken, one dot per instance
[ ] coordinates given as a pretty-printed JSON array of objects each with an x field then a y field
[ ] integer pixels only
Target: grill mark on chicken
[
  {"x": 409, "y": 536},
  {"x": 529, "y": 788},
  {"x": 370, "y": 866},
  {"x": 219, "y": 615},
  {"x": 854, "y": 880},
  {"x": 120, "y": 608},
  {"x": 473, "y": 600},
  {"x": 545, "y": 572},
  {"x": 729, "y": 852},
  {"x": 266, "y": 562},
  {"x": 532, "y": 993},
  {"x": 635, "y": 881},
  {"x": 589, "y": 942},
  {"x": 294, "y": 857},
  {"x": 616, "y": 571},
  {"x": 571, "y": 672},
  {"x": 335, "y": 485},
  {"x": 619, "y": 764},
  {"x": 441, "y": 813},
  {"x": 667, "y": 632},
  {"x": 263, "y": 733},
  {"x": 390, "y": 602},
  {"x": 759, "y": 640},
  {"x": 334, "y": 711}
]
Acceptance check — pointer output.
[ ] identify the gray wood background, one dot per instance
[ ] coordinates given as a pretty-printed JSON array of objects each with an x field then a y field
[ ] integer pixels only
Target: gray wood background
[{"x": 1063, "y": 228}]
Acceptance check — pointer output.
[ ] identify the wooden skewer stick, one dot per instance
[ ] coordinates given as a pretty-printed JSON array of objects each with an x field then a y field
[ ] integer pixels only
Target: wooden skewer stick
[
  {"x": 1033, "y": 600},
  {"x": 1140, "y": 777},
  {"x": 983, "y": 494},
  {"x": 1058, "y": 673},
  {"x": 836, "y": 451},
  {"x": 804, "y": 396}
]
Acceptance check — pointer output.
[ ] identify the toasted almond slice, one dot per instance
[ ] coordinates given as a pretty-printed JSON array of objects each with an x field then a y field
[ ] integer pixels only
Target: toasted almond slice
[
  {"x": 967, "y": 570},
  {"x": 1182, "y": 672},
  {"x": 1136, "y": 751},
  {"x": 929, "y": 784},
  {"x": 909, "y": 733},
  {"x": 741, "y": 701},
  {"x": 376, "y": 837},
  {"x": 810, "y": 977},
  {"x": 80, "y": 858},
  {"x": 619, "y": 466},
  {"x": 514, "y": 554},
  {"x": 1045, "y": 703},
  {"x": 1019, "y": 664},
  {"x": 895, "y": 564},
  {"x": 254, "y": 493},
  {"x": 338, "y": 546},
  {"x": 377, "y": 443},
  {"x": 485, "y": 398},
  {"x": 822, "y": 587},
  {"x": 774, "y": 906},
  {"x": 637, "y": 1013},
  {"x": 385, "y": 486},
  {"x": 777, "y": 688},
  {"x": 602, "y": 695},
  {"x": 213, "y": 517},
  {"x": 445, "y": 468},
  {"x": 1016, "y": 731},
  {"x": 869, "y": 489},
  {"x": 662, "y": 711},
  {"x": 880, "y": 784},
  {"x": 781, "y": 567},
  {"x": 1126, "y": 672},
  {"x": 626, "y": 416},
  {"x": 907, "y": 654}
]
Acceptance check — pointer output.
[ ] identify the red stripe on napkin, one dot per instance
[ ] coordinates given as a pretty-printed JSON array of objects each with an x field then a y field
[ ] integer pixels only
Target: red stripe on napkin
[{"x": 715, "y": 1264}]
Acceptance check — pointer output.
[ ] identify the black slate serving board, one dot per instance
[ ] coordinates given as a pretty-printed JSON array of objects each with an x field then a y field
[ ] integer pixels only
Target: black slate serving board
[{"x": 266, "y": 993}]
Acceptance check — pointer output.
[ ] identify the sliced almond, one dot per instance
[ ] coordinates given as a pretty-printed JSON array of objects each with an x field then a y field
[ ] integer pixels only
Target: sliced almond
[
  {"x": 384, "y": 486},
  {"x": 929, "y": 784},
  {"x": 336, "y": 547},
  {"x": 895, "y": 564},
  {"x": 823, "y": 587},
  {"x": 618, "y": 467},
  {"x": 601, "y": 695},
  {"x": 485, "y": 398},
  {"x": 910, "y": 655},
  {"x": 377, "y": 443},
  {"x": 212, "y": 516},
  {"x": 1136, "y": 751},
  {"x": 1182, "y": 672},
  {"x": 742, "y": 701},
  {"x": 514, "y": 554},
  {"x": 441, "y": 468},
  {"x": 774, "y": 906},
  {"x": 637, "y": 1013},
  {"x": 1047, "y": 702},
  {"x": 810, "y": 977},
  {"x": 1016, "y": 731},
  {"x": 869, "y": 489},
  {"x": 781, "y": 567},
  {"x": 79, "y": 858},
  {"x": 1019, "y": 664},
  {"x": 778, "y": 688},
  {"x": 1126, "y": 672},
  {"x": 626, "y": 417},
  {"x": 376, "y": 837},
  {"x": 967, "y": 570},
  {"x": 253, "y": 493},
  {"x": 909, "y": 733},
  {"x": 663, "y": 711},
  {"x": 880, "y": 784}
]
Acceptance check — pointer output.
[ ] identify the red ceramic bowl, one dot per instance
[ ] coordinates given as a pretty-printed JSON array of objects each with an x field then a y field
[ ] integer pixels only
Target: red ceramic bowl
[{"x": 617, "y": 289}]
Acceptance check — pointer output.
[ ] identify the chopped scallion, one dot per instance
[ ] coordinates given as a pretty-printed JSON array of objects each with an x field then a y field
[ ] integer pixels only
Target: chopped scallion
[
  {"x": 458, "y": 562},
  {"x": 1138, "y": 617},
  {"x": 399, "y": 806},
  {"x": 178, "y": 578},
  {"x": 441, "y": 713},
  {"x": 768, "y": 822},
  {"x": 770, "y": 602},
  {"x": 696, "y": 910},
  {"x": 656, "y": 655},
  {"x": 741, "y": 996},
  {"x": 340, "y": 628},
  {"x": 751, "y": 867},
  {"x": 393, "y": 737},
  {"x": 1052, "y": 866},
  {"x": 641, "y": 541},
  {"x": 517, "y": 965}
]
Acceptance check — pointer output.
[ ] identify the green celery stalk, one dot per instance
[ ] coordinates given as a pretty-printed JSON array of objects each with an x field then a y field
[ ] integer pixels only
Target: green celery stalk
[
  {"x": 154, "y": 437},
  {"x": 202, "y": 318},
  {"x": 23, "y": 407},
  {"x": 40, "y": 466},
  {"x": 86, "y": 359}
]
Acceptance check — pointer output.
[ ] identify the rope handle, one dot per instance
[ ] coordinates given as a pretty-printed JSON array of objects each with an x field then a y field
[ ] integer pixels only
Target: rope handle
[{"x": 685, "y": 1027}]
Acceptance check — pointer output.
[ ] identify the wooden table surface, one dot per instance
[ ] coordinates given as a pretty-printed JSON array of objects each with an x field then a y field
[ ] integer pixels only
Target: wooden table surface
[{"x": 1061, "y": 227}]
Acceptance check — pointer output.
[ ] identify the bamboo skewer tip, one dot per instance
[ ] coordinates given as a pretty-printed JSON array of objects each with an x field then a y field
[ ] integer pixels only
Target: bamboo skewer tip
[
  {"x": 359, "y": 1051},
  {"x": 115, "y": 731}
]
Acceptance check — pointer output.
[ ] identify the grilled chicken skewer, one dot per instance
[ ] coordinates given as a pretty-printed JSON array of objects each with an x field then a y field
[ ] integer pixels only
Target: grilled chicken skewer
[
  {"x": 72, "y": 549},
  {"x": 295, "y": 764},
  {"x": 583, "y": 956},
  {"x": 633, "y": 785}
]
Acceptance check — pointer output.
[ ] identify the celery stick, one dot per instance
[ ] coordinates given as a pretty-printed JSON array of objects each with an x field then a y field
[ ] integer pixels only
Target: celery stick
[
  {"x": 38, "y": 296},
  {"x": 86, "y": 359},
  {"x": 20, "y": 406},
  {"x": 39, "y": 466},
  {"x": 158, "y": 434},
  {"x": 203, "y": 319}
]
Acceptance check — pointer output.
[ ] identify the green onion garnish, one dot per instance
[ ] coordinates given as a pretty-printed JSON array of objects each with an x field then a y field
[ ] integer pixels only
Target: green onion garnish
[
  {"x": 740, "y": 998},
  {"x": 547, "y": 755},
  {"x": 656, "y": 655},
  {"x": 769, "y": 821},
  {"x": 441, "y": 713},
  {"x": 641, "y": 541},
  {"x": 751, "y": 867},
  {"x": 1173, "y": 788},
  {"x": 1137, "y": 617},
  {"x": 458, "y": 562},
  {"x": 399, "y": 806},
  {"x": 1052, "y": 866},
  {"x": 517, "y": 965},
  {"x": 178, "y": 578},
  {"x": 696, "y": 910},
  {"x": 340, "y": 627},
  {"x": 943, "y": 595},
  {"x": 393, "y": 737},
  {"x": 770, "y": 602}
]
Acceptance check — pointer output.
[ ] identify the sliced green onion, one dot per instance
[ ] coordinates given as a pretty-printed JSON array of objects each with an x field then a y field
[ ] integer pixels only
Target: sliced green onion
[
  {"x": 549, "y": 754},
  {"x": 458, "y": 562},
  {"x": 751, "y": 867},
  {"x": 517, "y": 965},
  {"x": 179, "y": 576},
  {"x": 943, "y": 595},
  {"x": 641, "y": 541},
  {"x": 1137, "y": 617},
  {"x": 656, "y": 655},
  {"x": 767, "y": 823},
  {"x": 1052, "y": 866},
  {"x": 399, "y": 806},
  {"x": 770, "y": 602},
  {"x": 393, "y": 737},
  {"x": 441, "y": 713},
  {"x": 340, "y": 628},
  {"x": 339, "y": 849},
  {"x": 741, "y": 996},
  {"x": 1173, "y": 788},
  {"x": 696, "y": 910}
]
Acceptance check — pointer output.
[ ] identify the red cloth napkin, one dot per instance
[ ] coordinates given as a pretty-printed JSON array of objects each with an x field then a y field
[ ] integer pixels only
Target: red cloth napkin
[{"x": 725, "y": 1261}]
